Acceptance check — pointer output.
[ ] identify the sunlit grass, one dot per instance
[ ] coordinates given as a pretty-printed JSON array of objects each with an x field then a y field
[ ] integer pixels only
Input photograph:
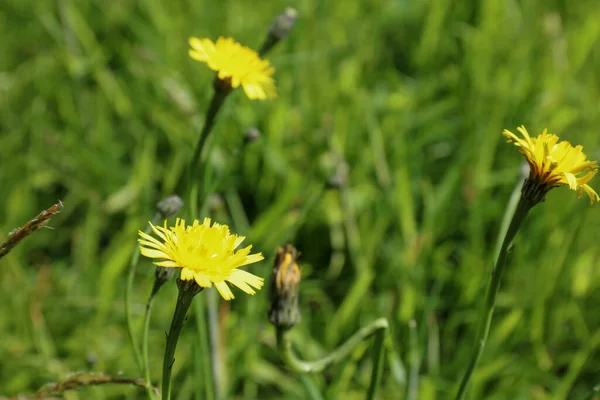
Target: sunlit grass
[{"x": 100, "y": 107}]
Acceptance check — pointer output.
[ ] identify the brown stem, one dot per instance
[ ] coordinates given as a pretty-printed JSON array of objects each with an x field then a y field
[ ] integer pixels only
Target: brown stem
[{"x": 75, "y": 381}]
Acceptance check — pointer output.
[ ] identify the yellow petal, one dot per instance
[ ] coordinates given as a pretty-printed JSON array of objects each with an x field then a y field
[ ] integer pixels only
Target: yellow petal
[
  {"x": 186, "y": 274},
  {"x": 224, "y": 290},
  {"x": 202, "y": 280},
  {"x": 240, "y": 277},
  {"x": 151, "y": 253}
]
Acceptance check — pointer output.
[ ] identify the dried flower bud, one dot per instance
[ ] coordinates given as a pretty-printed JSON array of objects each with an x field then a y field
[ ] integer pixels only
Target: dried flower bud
[
  {"x": 169, "y": 206},
  {"x": 162, "y": 275},
  {"x": 215, "y": 202},
  {"x": 285, "y": 284},
  {"x": 283, "y": 23},
  {"x": 252, "y": 135},
  {"x": 340, "y": 177},
  {"x": 281, "y": 26}
]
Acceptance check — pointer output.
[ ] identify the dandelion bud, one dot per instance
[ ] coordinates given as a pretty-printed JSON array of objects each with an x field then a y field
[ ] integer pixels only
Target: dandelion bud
[
  {"x": 169, "y": 206},
  {"x": 162, "y": 275},
  {"x": 91, "y": 360},
  {"x": 281, "y": 26},
  {"x": 283, "y": 23},
  {"x": 285, "y": 283},
  {"x": 252, "y": 135},
  {"x": 340, "y": 177}
]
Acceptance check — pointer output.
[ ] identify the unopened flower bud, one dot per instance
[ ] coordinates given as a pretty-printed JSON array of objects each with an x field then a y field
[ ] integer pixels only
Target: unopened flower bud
[
  {"x": 162, "y": 275},
  {"x": 340, "y": 177},
  {"x": 252, "y": 135},
  {"x": 215, "y": 203},
  {"x": 285, "y": 284},
  {"x": 169, "y": 206},
  {"x": 283, "y": 23},
  {"x": 281, "y": 26}
]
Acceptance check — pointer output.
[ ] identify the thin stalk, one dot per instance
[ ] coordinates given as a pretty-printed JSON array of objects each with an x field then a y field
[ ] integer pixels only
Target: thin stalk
[
  {"x": 221, "y": 90},
  {"x": 184, "y": 300},
  {"x": 485, "y": 322},
  {"x": 509, "y": 211},
  {"x": 378, "y": 358},
  {"x": 147, "y": 314},
  {"x": 205, "y": 361},
  {"x": 128, "y": 290},
  {"x": 284, "y": 346},
  {"x": 216, "y": 357},
  {"x": 221, "y": 93}
]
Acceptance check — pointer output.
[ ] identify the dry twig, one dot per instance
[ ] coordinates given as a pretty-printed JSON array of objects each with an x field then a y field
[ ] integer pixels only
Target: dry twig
[{"x": 36, "y": 223}]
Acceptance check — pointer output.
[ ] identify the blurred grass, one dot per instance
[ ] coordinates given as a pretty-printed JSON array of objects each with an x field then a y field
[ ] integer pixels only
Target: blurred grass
[{"x": 100, "y": 106}]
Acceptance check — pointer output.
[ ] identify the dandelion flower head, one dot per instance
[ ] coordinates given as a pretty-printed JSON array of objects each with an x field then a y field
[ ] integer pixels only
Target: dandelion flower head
[
  {"x": 205, "y": 253},
  {"x": 238, "y": 64},
  {"x": 555, "y": 163}
]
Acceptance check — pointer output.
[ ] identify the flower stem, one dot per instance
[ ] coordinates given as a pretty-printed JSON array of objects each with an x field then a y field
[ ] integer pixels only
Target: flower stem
[
  {"x": 284, "y": 346},
  {"x": 146, "y": 367},
  {"x": 485, "y": 322},
  {"x": 221, "y": 90},
  {"x": 184, "y": 300},
  {"x": 221, "y": 93},
  {"x": 216, "y": 358},
  {"x": 128, "y": 290},
  {"x": 204, "y": 361}
]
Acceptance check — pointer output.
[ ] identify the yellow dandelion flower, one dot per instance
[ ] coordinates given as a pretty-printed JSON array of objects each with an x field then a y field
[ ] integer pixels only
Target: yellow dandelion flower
[
  {"x": 553, "y": 163},
  {"x": 237, "y": 64},
  {"x": 205, "y": 254}
]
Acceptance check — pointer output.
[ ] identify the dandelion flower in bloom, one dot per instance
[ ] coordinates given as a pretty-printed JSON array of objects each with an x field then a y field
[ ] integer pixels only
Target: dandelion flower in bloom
[
  {"x": 553, "y": 163},
  {"x": 237, "y": 64},
  {"x": 206, "y": 254}
]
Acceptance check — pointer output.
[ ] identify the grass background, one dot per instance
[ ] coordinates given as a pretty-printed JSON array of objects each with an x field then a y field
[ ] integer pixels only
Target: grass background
[{"x": 100, "y": 106}]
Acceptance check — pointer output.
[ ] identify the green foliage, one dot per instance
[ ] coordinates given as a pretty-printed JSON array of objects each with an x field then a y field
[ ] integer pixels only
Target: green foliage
[{"x": 100, "y": 107}]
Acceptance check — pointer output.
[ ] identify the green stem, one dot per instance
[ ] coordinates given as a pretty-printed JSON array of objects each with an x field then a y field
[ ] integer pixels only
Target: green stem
[
  {"x": 146, "y": 369},
  {"x": 284, "y": 345},
  {"x": 128, "y": 291},
  {"x": 221, "y": 90},
  {"x": 215, "y": 344},
  {"x": 268, "y": 44},
  {"x": 485, "y": 322},
  {"x": 184, "y": 300},
  {"x": 221, "y": 93},
  {"x": 378, "y": 358},
  {"x": 205, "y": 359}
]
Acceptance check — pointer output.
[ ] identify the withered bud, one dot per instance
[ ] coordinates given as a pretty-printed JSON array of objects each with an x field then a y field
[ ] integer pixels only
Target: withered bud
[
  {"x": 340, "y": 177},
  {"x": 162, "y": 275},
  {"x": 251, "y": 135},
  {"x": 285, "y": 284},
  {"x": 281, "y": 26},
  {"x": 215, "y": 202},
  {"x": 169, "y": 206}
]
